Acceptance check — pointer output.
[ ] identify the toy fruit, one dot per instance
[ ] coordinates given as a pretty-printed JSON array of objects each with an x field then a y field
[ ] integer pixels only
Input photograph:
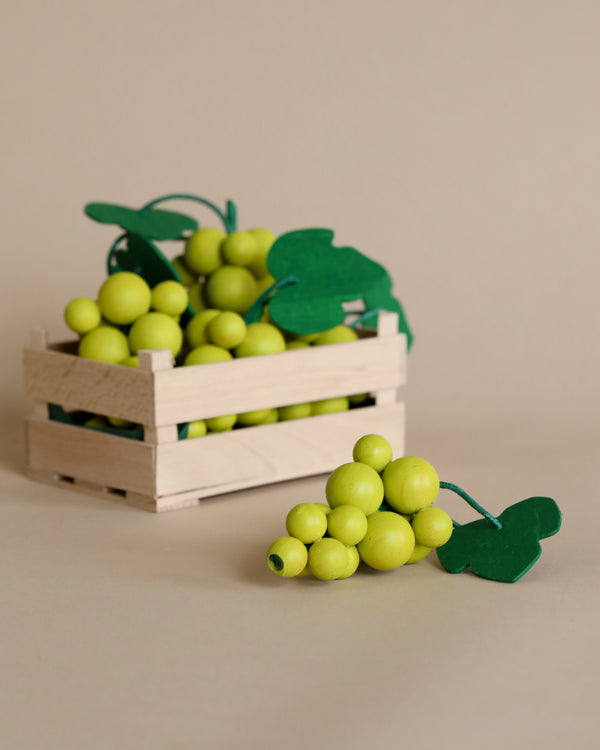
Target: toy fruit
[
  {"x": 241, "y": 293},
  {"x": 391, "y": 523},
  {"x": 328, "y": 559},
  {"x": 355, "y": 484},
  {"x": 287, "y": 557},
  {"x": 156, "y": 330},
  {"x": 105, "y": 344},
  {"x": 123, "y": 297},
  {"x": 410, "y": 483},
  {"x": 82, "y": 315},
  {"x": 389, "y": 541},
  {"x": 307, "y": 522},
  {"x": 373, "y": 450}
]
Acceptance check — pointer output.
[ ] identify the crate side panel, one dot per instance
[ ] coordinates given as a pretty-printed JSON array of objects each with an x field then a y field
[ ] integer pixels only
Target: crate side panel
[
  {"x": 91, "y": 456},
  {"x": 224, "y": 462},
  {"x": 240, "y": 385},
  {"x": 78, "y": 383}
]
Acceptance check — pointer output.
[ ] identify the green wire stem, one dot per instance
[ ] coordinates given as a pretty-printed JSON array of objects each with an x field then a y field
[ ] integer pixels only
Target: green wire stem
[
  {"x": 258, "y": 304},
  {"x": 364, "y": 316},
  {"x": 112, "y": 251},
  {"x": 473, "y": 503},
  {"x": 229, "y": 218}
]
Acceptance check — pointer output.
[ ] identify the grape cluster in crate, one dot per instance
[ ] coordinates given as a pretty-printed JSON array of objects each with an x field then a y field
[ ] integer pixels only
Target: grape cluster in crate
[{"x": 213, "y": 301}]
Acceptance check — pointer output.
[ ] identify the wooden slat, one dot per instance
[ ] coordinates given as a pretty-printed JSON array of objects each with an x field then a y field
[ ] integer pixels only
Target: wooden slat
[
  {"x": 224, "y": 462},
  {"x": 157, "y": 361},
  {"x": 78, "y": 383},
  {"x": 387, "y": 325},
  {"x": 38, "y": 340},
  {"x": 90, "y": 456},
  {"x": 239, "y": 385}
]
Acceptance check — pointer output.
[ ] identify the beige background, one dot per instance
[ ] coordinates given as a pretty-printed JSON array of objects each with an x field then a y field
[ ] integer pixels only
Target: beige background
[{"x": 455, "y": 142}]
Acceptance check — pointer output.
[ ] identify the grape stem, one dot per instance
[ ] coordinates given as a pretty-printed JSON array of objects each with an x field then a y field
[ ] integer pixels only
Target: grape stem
[
  {"x": 254, "y": 311},
  {"x": 474, "y": 504},
  {"x": 112, "y": 268},
  {"x": 364, "y": 317},
  {"x": 229, "y": 218}
]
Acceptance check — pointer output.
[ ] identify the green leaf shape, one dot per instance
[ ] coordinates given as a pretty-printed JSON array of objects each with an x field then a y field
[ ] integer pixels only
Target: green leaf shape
[
  {"x": 504, "y": 554},
  {"x": 326, "y": 277},
  {"x": 151, "y": 223},
  {"x": 140, "y": 255}
]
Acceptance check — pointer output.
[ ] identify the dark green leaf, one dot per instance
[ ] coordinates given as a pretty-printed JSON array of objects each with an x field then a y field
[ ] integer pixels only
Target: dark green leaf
[
  {"x": 327, "y": 276},
  {"x": 503, "y": 554},
  {"x": 151, "y": 223}
]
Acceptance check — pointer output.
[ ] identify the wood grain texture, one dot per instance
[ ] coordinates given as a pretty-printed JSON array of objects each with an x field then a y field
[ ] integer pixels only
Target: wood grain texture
[
  {"x": 155, "y": 361},
  {"x": 163, "y": 473},
  {"x": 210, "y": 390},
  {"x": 248, "y": 457},
  {"x": 90, "y": 455},
  {"x": 78, "y": 383},
  {"x": 178, "y": 475}
]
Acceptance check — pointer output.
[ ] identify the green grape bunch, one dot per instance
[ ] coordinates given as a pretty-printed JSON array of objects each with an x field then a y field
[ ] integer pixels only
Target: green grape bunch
[
  {"x": 209, "y": 304},
  {"x": 379, "y": 512}
]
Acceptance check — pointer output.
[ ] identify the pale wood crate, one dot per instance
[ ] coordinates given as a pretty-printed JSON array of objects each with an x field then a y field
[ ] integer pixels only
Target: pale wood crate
[{"x": 164, "y": 473}]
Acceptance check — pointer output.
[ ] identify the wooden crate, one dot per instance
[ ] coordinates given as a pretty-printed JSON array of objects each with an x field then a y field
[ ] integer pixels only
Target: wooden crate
[{"x": 163, "y": 473}]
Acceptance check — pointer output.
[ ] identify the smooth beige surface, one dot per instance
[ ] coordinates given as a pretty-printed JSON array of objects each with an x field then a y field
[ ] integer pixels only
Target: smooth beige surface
[{"x": 457, "y": 143}]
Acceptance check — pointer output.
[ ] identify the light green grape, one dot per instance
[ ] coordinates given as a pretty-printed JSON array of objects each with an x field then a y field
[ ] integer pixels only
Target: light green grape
[
  {"x": 196, "y": 296},
  {"x": 347, "y": 524},
  {"x": 328, "y": 559},
  {"x": 410, "y": 483},
  {"x": 104, "y": 344},
  {"x": 202, "y": 253},
  {"x": 420, "y": 551},
  {"x": 231, "y": 288},
  {"x": 336, "y": 335},
  {"x": 308, "y": 338},
  {"x": 260, "y": 338},
  {"x": 307, "y": 522},
  {"x": 353, "y": 562},
  {"x": 221, "y": 424},
  {"x": 255, "y": 417},
  {"x": 373, "y": 450},
  {"x": 82, "y": 315},
  {"x": 272, "y": 417},
  {"x": 131, "y": 361},
  {"x": 205, "y": 354},
  {"x": 329, "y": 405},
  {"x": 197, "y": 428},
  {"x": 169, "y": 297},
  {"x": 186, "y": 276},
  {"x": 195, "y": 330},
  {"x": 296, "y": 344},
  {"x": 96, "y": 421},
  {"x": 124, "y": 297},
  {"x": 264, "y": 240},
  {"x": 155, "y": 330},
  {"x": 294, "y": 411},
  {"x": 118, "y": 422},
  {"x": 287, "y": 557},
  {"x": 432, "y": 527},
  {"x": 239, "y": 249},
  {"x": 324, "y": 507},
  {"x": 355, "y": 484},
  {"x": 227, "y": 329},
  {"x": 389, "y": 541}
]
